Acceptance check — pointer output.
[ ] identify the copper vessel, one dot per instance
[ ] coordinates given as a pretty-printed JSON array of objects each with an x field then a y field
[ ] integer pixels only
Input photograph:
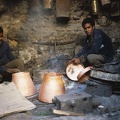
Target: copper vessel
[
  {"x": 94, "y": 7},
  {"x": 84, "y": 74},
  {"x": 52, "y": 85},
  {"x": 63, "y": 9},
  {"x": 47, "y": 4},
  {"x": 24, "y": 83},
  {"x": 73, "y": 70}
]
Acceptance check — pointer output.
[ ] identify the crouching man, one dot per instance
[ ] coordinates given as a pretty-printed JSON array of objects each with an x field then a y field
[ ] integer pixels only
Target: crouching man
[{"x": 98, "y": 48}]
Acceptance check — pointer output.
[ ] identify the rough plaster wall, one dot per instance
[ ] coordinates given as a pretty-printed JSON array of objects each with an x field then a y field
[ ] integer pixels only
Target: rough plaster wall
[{"x": 26, "y": 22}]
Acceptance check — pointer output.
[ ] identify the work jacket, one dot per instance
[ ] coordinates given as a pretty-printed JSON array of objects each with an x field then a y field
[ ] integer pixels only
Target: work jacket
[{"x": 5, "y": 56}]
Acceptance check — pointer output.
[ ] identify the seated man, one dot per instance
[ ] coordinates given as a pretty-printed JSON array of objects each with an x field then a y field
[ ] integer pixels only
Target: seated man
[
  {"x": 8, "y": 64},
  {"x": 98, "y": 48}
]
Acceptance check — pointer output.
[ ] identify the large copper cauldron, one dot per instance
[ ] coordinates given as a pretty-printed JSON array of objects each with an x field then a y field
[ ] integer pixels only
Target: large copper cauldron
[
  {"x": 24, "y": 83},
  {"x": 52, "y": 85}
]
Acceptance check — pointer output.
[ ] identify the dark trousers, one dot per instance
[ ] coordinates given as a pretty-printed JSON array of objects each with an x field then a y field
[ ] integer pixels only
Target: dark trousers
[
  {"x": 92, "y": 60},
  {"x": 95, "y": 59}
]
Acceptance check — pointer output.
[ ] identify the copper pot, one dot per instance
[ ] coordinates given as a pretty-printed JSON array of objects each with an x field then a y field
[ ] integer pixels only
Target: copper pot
[
  {"x": 52, "y": 85},
  {"x": 84, "y": 74},
  {"x": 73, "y": 70},
  {"x": 47, "y": 4},
  {"x": 63, "y": 9},
  {"x": 24, "y": 83}
]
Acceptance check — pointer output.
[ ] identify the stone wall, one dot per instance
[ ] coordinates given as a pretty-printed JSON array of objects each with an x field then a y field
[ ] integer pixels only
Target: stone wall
[{"x": 35, "y": 35}]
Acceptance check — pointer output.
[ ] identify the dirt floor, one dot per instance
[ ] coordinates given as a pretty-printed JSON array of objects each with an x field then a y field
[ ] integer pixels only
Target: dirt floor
[{"x": 43, "y": 111}]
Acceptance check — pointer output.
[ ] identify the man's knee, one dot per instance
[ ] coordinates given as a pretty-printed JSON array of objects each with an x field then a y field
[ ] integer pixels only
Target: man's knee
[
  {"x": 95, "y": 59},
  {"x": 90, "y": 58},
  {"x": 20, "y": 61},
  {"x": 20, "y": 64}
]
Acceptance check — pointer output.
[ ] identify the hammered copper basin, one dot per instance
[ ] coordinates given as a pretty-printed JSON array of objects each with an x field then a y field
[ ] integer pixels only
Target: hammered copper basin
[
  {"x": 84, "y": 74},
  {"x": 24, "y": 83},
  {"x": 73, "y": 70},
  {"x": 52, "y": 85}
]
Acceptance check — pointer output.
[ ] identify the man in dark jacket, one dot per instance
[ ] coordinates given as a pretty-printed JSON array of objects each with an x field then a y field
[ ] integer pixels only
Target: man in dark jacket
[
  {"x": 8, "y": 64},
  {"x": 98, "y": 48}
]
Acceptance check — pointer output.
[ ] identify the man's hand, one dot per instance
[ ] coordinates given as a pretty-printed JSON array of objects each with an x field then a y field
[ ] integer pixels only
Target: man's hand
[
  {"x": 13, "y": 70},
  {"x": 74, "y": 61}
]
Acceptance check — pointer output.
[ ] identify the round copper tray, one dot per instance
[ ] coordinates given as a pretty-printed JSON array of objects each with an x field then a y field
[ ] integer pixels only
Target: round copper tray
[{"x": 73, "y": 70}]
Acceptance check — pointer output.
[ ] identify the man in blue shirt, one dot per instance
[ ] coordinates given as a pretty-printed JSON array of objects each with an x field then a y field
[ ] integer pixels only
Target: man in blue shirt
[
  {"x": 98, "y": 47},
  {"x": 8, "y": 64}
]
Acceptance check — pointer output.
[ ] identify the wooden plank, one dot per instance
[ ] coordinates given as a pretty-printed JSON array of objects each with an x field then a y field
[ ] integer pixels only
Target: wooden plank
[
  {"x": 62, "y": 112},
  {"x": 11, "y": 100}
]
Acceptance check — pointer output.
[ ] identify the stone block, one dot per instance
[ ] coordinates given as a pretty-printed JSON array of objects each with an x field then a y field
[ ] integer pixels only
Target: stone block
[
  {"x": 80, "y": 102},
  {"x": 99, "y": 88},
  {"x": 104, "y": 76}
]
